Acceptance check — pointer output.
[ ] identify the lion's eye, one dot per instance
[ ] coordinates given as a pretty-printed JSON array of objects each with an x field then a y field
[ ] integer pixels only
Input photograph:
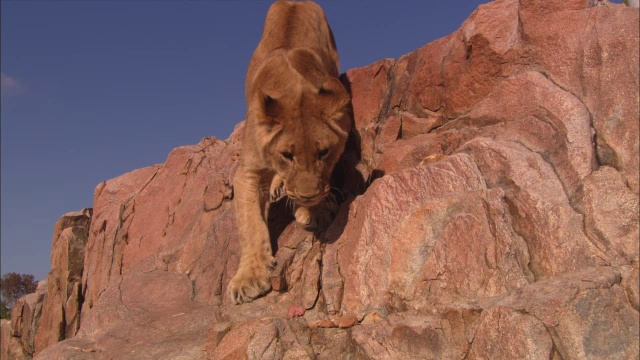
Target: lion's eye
[
  {"x": 287, "y": 155},
  {"x": 323, "y": 153}
]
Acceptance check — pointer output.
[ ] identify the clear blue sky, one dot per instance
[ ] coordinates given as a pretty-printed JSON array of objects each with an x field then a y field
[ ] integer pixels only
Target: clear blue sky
[{"x": 95, "y": 89}]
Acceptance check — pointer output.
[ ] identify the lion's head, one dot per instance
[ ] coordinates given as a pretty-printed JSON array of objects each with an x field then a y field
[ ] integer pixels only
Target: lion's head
[{"x": 302, "y": 122}]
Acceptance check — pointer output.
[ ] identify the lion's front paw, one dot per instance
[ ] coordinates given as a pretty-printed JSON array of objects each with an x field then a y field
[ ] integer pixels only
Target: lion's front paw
[
  {"x": 251, "y": 281},
  {"x": 318, "y": 217},
  {"x": 276, "y": 191},
  {"x": 304, "y": 216}
]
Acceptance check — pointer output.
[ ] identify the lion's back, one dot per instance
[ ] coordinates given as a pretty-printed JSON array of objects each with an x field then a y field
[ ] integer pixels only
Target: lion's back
[{"x": 295, "y": 25}]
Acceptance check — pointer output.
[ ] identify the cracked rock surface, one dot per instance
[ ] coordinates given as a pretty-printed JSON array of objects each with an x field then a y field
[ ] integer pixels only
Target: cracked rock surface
[{"x": 490, "y": 211}]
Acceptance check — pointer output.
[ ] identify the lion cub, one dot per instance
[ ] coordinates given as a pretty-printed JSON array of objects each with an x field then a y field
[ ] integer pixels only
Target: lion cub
[{"x": 296, "y": 129}]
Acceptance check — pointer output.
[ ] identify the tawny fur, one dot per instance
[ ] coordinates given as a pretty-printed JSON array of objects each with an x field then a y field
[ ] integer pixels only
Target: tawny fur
[{"x": 296, "y": 129}]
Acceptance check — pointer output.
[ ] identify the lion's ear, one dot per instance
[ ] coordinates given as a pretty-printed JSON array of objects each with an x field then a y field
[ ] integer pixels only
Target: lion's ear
[
  {"x": 269, "y": 109},
  {"x": 335, "y": 99},
  {"x": 333, "y": 91},
  {"x": 269, "y": 104}
]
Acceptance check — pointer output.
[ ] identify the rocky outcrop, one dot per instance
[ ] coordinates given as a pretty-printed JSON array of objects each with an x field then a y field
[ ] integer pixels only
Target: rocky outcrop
[
  {"x": 60, "y": 317},
  {"x": 25, "y": 318},
  {"x": 52, "y": 313},
  {"x": 490, "y": 210},
  {"x": 10, "y": 346}
]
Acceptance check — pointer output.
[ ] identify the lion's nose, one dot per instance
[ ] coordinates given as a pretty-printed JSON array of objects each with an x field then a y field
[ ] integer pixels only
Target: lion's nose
[{"x": 309, "y": 187}]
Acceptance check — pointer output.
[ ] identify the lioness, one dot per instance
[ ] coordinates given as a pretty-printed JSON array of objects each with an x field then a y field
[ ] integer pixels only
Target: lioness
[{"x": 296, "y": 129}]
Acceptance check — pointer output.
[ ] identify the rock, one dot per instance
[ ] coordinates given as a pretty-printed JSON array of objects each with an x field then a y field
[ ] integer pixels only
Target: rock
[
  {"x": 371, "y": 318},
  {"x": 573, "y": 309},
  {"x": 601, "y": 81},
  {"x": 630, "y": 276},
  {"x": 611, "y": 210},
  {"x": 506, "y": 333},
  {"x": 60, "y": 317},
  {"x": 489, "y": 210},
  {"x": 270, "y": 339},
  {"x": 347, "y": 321},
  {"x": 5, "y": 337},
  {"x": 217, "y": 333},
  {"x": 406, "y": 336},
  {"x": 16, "y": 315},
  {"x": 28, "y": 310},
  {"x": 540, "y": 209},
  {"x": 426, "y": 221},
  {"x": 75, "y": 349},
  {"x": 139, "y": 310},
  {"x": 295, "y": 311},
  {"x": 26, "y": 315},
  {"x": 10, "y": 346},
  {"x": 331, "y": 343},
  {"x": 534, "y": 322},
  {"x": 324, "y": 324}
]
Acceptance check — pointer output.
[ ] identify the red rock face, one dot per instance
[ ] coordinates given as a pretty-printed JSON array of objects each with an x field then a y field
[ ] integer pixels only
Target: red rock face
[
  {"x": 491, "y": 212},
  {"x": 52, "y": 313},
  {"x": 60, "y": 317}
]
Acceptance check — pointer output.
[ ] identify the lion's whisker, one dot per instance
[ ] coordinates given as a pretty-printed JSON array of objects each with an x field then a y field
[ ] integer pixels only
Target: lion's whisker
[
  {"x": 331, "y": 199},
  {"x": 338, "y": 190}
]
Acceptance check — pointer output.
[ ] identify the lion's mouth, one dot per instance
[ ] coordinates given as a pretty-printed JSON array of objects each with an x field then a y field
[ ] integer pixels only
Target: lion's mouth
[{"x": 307, "y": 201}]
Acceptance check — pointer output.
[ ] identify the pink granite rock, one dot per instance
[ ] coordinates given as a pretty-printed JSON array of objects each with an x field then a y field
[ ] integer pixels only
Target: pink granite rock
[{"x": 60, "y": 318}]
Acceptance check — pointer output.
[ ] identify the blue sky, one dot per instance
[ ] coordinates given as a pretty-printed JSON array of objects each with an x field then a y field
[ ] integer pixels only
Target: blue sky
[{"x": 95, "y": 89}]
